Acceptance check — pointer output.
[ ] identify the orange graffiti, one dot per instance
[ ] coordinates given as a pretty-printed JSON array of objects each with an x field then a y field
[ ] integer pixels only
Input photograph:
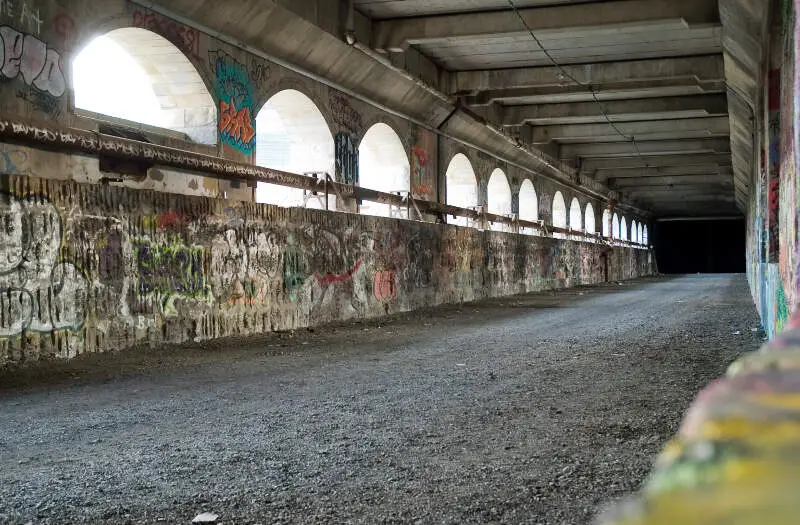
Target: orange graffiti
[{"x": 236, "y": 123}]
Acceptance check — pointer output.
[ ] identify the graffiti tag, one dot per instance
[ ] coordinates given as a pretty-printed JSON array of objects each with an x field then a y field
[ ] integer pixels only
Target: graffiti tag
[
  {"x": 26, "y": 56},
  {"x": 346, "y": 155},
  {"x": 236, "y": 124},
  {"x": 38, "y": 291}
]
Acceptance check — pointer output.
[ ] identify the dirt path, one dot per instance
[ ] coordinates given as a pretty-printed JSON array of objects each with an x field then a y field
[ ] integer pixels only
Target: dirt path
[{"x": 531, "y": 409}]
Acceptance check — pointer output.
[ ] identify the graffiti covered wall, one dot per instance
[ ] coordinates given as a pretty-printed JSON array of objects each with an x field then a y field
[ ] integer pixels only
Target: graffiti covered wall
[
  {"x": 88, "y": 268},
  {"x": 772, "y": 210}
]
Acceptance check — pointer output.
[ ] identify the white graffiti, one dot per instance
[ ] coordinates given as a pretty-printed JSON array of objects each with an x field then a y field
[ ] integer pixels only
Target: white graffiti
[
  {"x": 38, "y": 292},
  {"x": 26, "y": 55}
]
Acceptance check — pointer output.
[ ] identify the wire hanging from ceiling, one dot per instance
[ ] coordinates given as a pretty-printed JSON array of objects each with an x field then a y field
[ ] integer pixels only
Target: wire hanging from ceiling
[{"x": 589, "y": 87}]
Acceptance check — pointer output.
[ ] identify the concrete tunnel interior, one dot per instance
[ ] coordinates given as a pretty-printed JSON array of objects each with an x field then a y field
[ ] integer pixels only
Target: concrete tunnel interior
[{"x": 351, "y": 217}]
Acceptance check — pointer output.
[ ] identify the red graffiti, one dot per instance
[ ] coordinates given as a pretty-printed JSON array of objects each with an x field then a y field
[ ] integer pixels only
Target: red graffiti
[
  {"x": 171, "y": 219},
  {"x": 327, "y": 279},
  {"x": 186, "y": 38},
  {"x": 420, "y": 172},
  {"x": 384, "y": 286},
  {"x": 774, "y": 194},
  {"x": 64, "y": 27},
  {"x": 237, "y": 124}
]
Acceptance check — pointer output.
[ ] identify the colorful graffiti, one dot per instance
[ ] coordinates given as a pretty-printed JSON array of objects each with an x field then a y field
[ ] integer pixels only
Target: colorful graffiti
[
  {"x": 39, "y": 291},
  {"x": 169, "y": 272},
  {"x": 420, "y": 173},
  {"x": 26, "y": 57},
  {"x": 185, "y": 38},
  {"x": 346, "y": 154},
  {"x": 236, "y": 123}
]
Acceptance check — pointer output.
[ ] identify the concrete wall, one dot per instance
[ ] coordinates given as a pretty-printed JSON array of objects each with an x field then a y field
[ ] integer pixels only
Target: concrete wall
[
  {"x": 94, "y": 258},
  {"x": 772, "y": 211},
  {"x": 91, "y": 268}
]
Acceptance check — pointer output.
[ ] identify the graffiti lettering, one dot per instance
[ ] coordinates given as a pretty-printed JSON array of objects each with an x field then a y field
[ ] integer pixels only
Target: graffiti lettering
[
  {"x": 236, "y": 124},
  {"x": 26, "y": 55},
  {"x": 293, "y": 273},
  {"x": 185, "y": 38},
  {"x": 384, "y": 286},
  {"x": 29, "y": 17},
  {"x": 344, "y": 114},
  {"x": 170, "y": 271},
  {"x": 420, "y": 173},
  {"x": 38, "y": 291},
  {"x": 346, "y": 159}
]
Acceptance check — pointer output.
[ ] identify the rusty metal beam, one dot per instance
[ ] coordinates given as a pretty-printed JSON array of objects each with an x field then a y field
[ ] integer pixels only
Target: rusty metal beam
[{"x": 71, "y": 140}]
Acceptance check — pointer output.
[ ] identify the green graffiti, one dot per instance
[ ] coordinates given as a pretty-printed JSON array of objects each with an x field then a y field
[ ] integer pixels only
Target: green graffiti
[
  {"x": 781, "y": 309},
  {"x": 294, "y": 272},
  {"x": 170, "y": 271}
]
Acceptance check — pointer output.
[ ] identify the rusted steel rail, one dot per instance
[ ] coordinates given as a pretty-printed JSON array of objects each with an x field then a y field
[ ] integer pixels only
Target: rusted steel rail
[{"x": 49, "y": 136}]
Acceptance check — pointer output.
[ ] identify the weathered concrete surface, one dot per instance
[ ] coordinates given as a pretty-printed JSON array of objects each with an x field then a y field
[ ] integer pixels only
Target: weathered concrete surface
[
  {"x": 533, "y": 409},
  {"x": 88, "y": 268}
]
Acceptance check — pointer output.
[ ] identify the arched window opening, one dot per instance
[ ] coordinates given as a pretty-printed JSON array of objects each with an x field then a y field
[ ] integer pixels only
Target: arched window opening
[
  {"x": 383, "y": 166},
  {"x": 575, "y": 215},
  {"x": 462, "y": 187},
  {"x": 606, "y": 223},
  {"x": 498, "y": 194},
  {"x": 292, "y": 135},
  {"x": 644, "y": 236},
  {"x": 528, "y": 205},
  {"x": 139, "y": 76},
  {"x": 623, "y": 229},
  {"x": 640, "y": 235},
  {"x": 633, "y": 237},
  {"x": 559, "y": 213},
  {"x": 615, "y": 226},
  {"x": 589, "y": 220}
]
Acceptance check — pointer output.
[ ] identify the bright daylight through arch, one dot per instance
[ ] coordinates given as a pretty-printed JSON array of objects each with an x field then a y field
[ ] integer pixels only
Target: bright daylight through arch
[
  {"x": 292, "y": 135},
  {"x": 139, "y": 76},
  {"x": 383, "y": 166}
]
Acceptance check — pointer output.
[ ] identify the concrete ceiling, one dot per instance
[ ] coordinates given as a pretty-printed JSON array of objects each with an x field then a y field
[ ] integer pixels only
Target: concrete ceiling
[{"x": 657, "y": 67}]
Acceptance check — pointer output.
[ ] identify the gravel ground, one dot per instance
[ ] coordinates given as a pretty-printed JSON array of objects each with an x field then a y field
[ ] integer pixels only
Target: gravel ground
[{"x": 532, "y": 409}]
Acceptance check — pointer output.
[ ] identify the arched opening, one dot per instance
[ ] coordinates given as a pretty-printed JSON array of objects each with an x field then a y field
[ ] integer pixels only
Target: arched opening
[
  {"x": 623, "y": 229},
  {"x": 640, "y": 235},
  {"x": 141, "y": 77},
  {"x": 606, "y": 223},
  {"x": 528, "y": 205},
  {"x": 498, "y": 194},
  {"x": 633, "y": 237},
  {"x": 589, "y": 220},
  {"x": 292, "y": 135},
  {"x": 461, "y": 187},
  {"x": 383, "y": 166},
  {"x": 575, "y": 215},
  {"x": 559, "y": 211},
  {"x": 645, "y": 239},
  {"x": 615, "y": 226}
]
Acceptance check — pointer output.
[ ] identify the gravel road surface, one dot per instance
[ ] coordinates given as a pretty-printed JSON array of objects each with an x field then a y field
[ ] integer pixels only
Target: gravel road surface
[{"x": 531, "y": 409}]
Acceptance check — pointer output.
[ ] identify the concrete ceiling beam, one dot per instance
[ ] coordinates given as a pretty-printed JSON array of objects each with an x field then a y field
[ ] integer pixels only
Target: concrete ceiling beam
[
  {"x": 643, "y": 130},
  {"x": 627, "y": 149},
  {"x": 677, "y": 180},
  {"x": 603, "y": 76},
  {"x": 617, "y": 111},
  {"x": 663, "y": 171},
  {"x": 398, "y": 33},
  {"x": 657, "y": 161}
]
